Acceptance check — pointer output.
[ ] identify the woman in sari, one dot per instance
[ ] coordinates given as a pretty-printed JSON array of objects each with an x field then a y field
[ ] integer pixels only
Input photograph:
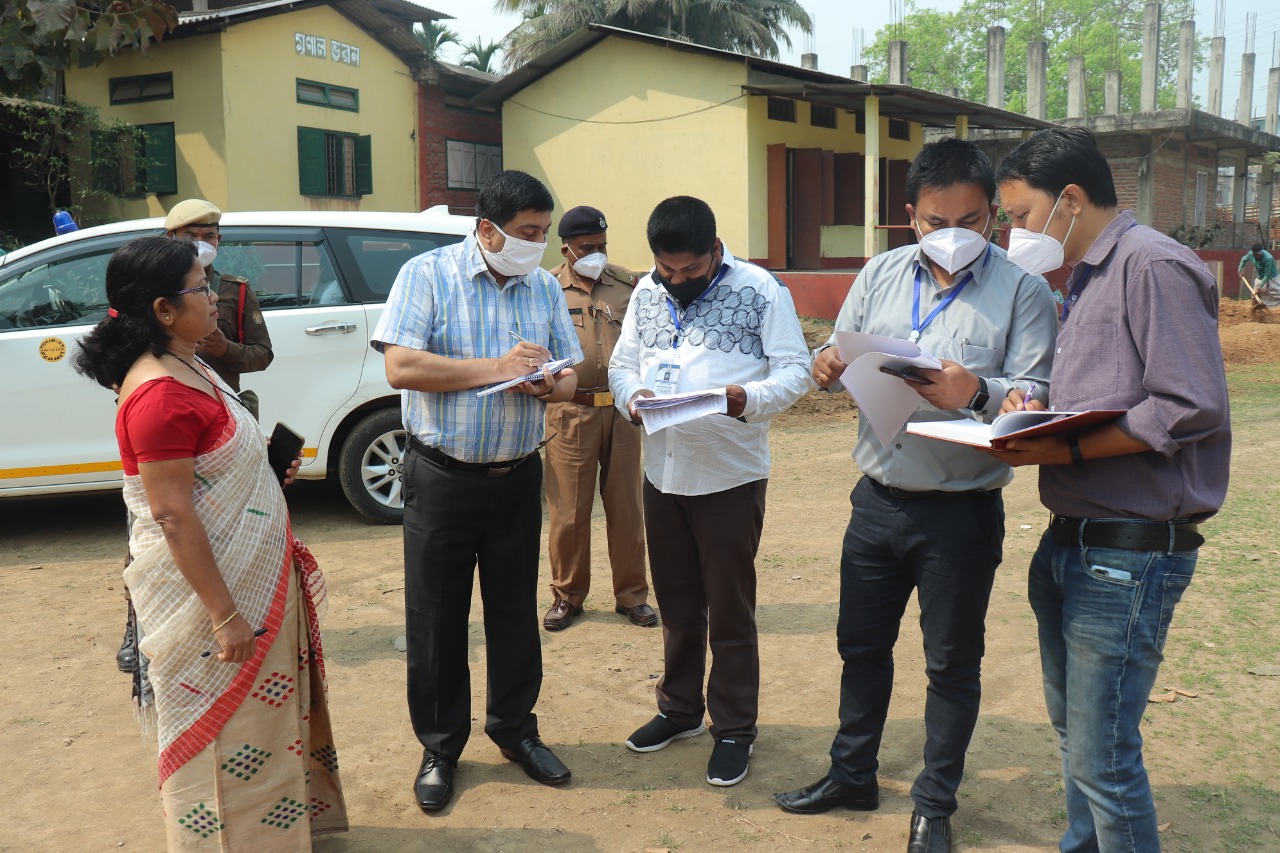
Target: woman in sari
[{"x": 226, "y": 597}]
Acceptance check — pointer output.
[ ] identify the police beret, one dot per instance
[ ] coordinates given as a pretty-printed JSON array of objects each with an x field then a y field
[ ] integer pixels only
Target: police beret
[
  {"x": 193, "y": 211},
  {"x": 581, "y": 220}
]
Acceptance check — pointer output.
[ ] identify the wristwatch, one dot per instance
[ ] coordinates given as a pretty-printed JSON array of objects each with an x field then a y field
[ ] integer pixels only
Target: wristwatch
[{"x": 979, "y": 401}]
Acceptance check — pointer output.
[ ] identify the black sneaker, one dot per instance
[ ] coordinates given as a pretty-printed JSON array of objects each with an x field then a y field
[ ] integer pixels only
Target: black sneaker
[
  {"x": 659, "y": 732},
  {"x": 728, "y": 764}
]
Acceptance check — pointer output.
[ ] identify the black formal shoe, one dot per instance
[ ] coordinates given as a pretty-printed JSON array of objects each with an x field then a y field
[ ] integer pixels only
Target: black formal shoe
[
  {"x": 929, "y": 834},
  {"x": 433, "y": 788},
  {"x": 827, "y": 793},
  {"x": 641, "y": 614},
  {"x": 538, "y": 761},
  {"x": 560, "y": 616},
  {"x": 127, "y": 657}
]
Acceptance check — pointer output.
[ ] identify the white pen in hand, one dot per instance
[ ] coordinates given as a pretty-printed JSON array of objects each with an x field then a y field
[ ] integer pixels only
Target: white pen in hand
[{"x": 1028, "y": 395}]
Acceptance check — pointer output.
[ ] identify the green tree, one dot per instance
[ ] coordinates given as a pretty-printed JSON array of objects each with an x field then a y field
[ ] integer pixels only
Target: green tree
[
  {"x": 754, "y": 27},
  {"x": 481, "y": 55},
  {"x": 434, "y": 35},
  {"x": 40, "y": 37},
  {"x": 950, "y": 48}
]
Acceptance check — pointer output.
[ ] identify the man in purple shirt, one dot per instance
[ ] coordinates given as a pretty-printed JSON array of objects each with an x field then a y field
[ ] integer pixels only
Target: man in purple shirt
[{"x": 1139, "y": 333}]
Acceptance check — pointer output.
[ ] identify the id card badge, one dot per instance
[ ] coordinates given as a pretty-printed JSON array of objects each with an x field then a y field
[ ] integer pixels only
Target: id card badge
[{"x": 666, "y": 380}]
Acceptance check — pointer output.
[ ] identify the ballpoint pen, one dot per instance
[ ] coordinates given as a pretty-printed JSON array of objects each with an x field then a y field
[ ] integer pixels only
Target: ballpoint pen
[
  {"x": 1029, "y": 395},
  {"x": 517, "y": 337}
]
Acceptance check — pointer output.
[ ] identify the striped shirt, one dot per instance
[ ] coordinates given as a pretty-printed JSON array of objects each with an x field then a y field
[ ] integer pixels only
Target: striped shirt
[{"x": 447, "y": 302}]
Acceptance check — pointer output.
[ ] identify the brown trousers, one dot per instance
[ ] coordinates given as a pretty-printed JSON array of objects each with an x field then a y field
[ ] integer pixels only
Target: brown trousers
[
  {"x": 702, "y": 550},
  {"x": 580, "y": 439}
]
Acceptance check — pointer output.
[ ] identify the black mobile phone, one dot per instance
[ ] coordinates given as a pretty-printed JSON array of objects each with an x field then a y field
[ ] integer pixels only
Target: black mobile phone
[
  {"x": 286, "y": 446},
  {"x": 904, "y": 373}
]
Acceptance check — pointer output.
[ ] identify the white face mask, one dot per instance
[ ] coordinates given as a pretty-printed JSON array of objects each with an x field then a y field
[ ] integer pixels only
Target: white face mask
[
  {"x": 590, "y": 266},
  {"x": 1039, "y": 253},
  {"x": 953, "y": 248},
  {"x": 206, "y": 253},
  {"x": 518, "y": 257}
]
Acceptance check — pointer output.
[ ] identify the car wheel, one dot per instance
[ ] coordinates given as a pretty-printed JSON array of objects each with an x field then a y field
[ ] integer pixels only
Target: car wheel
[{"x": 371, "y": 466}]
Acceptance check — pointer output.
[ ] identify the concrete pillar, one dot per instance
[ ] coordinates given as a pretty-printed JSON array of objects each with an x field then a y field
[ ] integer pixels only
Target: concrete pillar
[
  {"x": 809, "y": 60},
  {"x": 1037, "y": 81},
  {"x": 1239, "y": 185},
  {"x": 1111, "y": 93},
  {"x": 1145, "y": 208},
  {"x": 950, "y": 92},
  {"x": 995, "y": 67},
  {"x": 858, "y": 72},
  {"x": 962, "y": 126},
  {"x": 1186, "y": 63},
  {"x": 1217, "y": 66},
  {"x": 1244, "y": 106},
  {"x": 898, "y": 63},
  {"x": 1273, "y": 101},
  {"x": 1150, "y": 56},
  {"x": 871, "y": 203},
  {"x": 1076, "y": 91}
]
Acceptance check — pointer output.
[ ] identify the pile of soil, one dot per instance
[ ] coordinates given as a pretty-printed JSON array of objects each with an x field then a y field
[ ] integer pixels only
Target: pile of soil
[{"x": 1248, "y": 336}]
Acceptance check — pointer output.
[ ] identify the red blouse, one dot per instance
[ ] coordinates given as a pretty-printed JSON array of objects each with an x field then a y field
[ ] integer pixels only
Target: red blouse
[{"x": 165, "y": 419}]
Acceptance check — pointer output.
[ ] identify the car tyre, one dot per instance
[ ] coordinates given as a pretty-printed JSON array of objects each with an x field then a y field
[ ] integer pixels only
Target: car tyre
[{"x": 371, "y": 466}]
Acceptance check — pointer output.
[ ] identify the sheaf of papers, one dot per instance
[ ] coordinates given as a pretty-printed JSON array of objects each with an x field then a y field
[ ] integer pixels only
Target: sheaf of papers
[
  {"x": 553, "y": 366},
  {"x": 885, "y": 401},
  {"x": 658, "y": 413}
]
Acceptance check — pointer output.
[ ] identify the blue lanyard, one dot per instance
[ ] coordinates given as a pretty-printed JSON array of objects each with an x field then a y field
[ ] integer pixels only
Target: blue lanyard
[
  {"x": 1081, "y": 282},
  {"x": 675, "y": 315},
  {"x": 916, "y": 326}
]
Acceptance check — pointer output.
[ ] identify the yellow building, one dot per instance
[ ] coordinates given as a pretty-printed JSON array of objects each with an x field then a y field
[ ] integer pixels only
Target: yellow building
[
  {"x": 265, "y": 106},
  {"x": 800, "y": 167}
]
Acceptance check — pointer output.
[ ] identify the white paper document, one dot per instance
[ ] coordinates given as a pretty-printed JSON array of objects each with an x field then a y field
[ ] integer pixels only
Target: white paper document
[
  {"x": 1020, "y": 424},
  {"x": 885, "y": 401},
  {"x": 657, "y": 413},
  {"x": 553, "y": 366}
]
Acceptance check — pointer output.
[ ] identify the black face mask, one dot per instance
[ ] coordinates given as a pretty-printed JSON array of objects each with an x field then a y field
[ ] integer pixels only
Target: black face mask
[{"x": 691, "y": 288}]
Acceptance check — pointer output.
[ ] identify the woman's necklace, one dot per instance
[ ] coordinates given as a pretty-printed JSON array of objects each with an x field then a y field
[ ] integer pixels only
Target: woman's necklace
[{"x": 203, "y": 376}]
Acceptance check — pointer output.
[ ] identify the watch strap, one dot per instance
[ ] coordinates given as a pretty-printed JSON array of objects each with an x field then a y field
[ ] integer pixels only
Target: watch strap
[{"x": 979, "y": 401}]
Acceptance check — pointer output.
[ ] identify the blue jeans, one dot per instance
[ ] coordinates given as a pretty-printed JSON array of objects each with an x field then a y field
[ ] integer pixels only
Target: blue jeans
[{"x": 1103, "y": 616}]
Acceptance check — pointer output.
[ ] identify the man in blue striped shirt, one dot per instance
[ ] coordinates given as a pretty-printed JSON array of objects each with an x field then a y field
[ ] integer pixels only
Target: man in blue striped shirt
[{"x": 460, "y": 318}]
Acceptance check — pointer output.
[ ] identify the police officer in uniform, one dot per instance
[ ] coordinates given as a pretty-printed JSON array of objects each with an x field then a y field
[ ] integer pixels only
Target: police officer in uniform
[
  {"x": 588, "y": 432},
  {"x": 241, "y": 343}
]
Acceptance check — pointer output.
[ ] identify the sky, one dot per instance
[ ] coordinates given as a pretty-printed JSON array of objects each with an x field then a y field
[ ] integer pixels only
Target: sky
[{"x": 836, "y": 22}]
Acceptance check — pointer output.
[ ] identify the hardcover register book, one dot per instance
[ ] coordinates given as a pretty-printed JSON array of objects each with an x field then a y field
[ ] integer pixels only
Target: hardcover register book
[{"x": 1012, "y": 425}]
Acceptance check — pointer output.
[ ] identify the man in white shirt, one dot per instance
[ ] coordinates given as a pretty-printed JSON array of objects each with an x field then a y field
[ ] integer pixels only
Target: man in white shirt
[{"x": 704, "y": 320}]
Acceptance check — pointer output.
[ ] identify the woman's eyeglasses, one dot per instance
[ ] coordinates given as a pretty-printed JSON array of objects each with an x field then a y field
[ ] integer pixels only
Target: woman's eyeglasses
[{"x": 204, "y": 288}]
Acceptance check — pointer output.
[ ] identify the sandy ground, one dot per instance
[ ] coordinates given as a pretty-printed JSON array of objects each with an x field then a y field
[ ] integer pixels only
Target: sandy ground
[{"x": 79, "y": 777}]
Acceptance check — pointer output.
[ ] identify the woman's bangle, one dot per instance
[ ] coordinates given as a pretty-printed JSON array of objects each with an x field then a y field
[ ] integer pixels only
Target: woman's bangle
[
  {"x": 225, "y": 622},
  {"x": 550, "y": 391}
]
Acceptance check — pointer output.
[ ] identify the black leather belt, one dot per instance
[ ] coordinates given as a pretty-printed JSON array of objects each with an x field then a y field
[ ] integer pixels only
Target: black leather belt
[
  {"x": 1129, "y": 534},
  {"x": 907, "y": 494},
  {"x": 484, "y": 469}
]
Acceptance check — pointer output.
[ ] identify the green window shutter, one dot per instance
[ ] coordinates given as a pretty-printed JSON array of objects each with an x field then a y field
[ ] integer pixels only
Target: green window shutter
[
  {"x": 364, "y": 165},
  {"x": 311, "y": 160},
  {"x": 160, "y": 151}
]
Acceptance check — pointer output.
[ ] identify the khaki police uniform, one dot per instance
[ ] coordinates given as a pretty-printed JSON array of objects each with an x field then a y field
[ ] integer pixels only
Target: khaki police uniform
[
  {"x": 246, "y": 354},
  {"x": 589, "y": 432}
]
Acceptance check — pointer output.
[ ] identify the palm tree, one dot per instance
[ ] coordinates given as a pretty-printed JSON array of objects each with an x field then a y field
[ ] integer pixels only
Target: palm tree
[
  {"x": 481, "y": 56},
  {"x": 753, "y": 27},
  {"x": 433, "y": 36}
]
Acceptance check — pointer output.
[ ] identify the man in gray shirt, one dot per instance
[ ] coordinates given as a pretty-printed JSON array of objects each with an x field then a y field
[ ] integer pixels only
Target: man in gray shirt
[
  {"x": 1139, "y": 333},
  {"x": 928, "y": 515}
]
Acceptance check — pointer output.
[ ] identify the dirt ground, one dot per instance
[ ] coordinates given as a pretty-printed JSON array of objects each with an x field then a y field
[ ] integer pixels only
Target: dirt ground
[{"x": 79, "y": 777}]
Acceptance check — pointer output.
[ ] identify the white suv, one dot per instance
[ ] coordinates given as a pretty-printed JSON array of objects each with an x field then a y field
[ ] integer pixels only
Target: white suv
[{"x": 321, "y": 278}]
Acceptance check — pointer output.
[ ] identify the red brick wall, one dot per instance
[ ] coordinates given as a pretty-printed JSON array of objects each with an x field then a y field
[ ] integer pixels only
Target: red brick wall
[{"x": 438, "y": 123}]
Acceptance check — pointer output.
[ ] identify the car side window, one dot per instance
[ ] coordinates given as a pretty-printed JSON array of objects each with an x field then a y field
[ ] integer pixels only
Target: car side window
[
  {"x": 320, "y": 285},
  {"x": 62, "y": 293},
  {"x": 377, "y": 257},
  {"x": 272, "y": 269}
]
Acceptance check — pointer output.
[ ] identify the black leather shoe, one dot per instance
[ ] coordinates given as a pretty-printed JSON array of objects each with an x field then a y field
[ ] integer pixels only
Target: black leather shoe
[
  {"x": 538, "y": 761},
  {"x": 127, "y": 657},
  {"x": 929, "y": 834},
  {"x": 827, "y": 793},
  {"x": 433, "y": 788}
]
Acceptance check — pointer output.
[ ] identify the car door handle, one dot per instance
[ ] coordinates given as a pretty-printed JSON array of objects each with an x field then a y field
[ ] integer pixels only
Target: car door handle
[{"x": 340, "y": 328}]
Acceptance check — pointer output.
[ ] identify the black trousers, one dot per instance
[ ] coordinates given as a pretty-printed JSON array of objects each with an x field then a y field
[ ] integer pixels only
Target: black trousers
[
  {"x": 453, "y": 521},
  {"x": 702, "y": 551},
  {"x": 946, "y": 547}
]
